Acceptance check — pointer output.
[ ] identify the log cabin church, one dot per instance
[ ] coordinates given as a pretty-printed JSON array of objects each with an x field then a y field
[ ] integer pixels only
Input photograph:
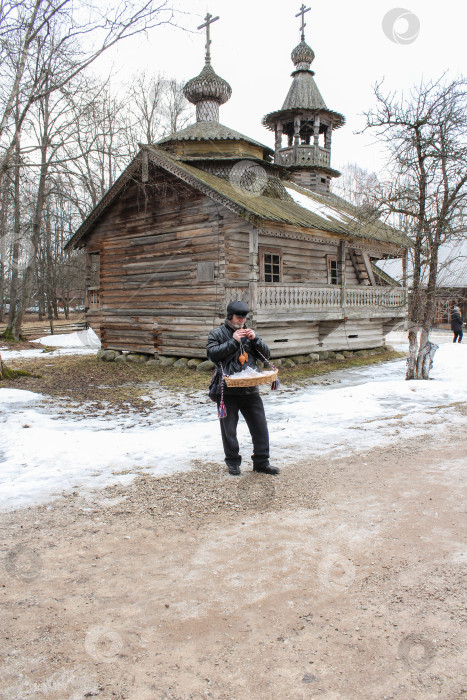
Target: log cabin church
[{"x": 208, "y": 215}]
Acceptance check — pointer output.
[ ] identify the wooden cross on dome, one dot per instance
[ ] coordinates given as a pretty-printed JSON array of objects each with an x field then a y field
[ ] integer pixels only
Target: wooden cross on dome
[
  {"x": 208, "y": 21},
  {"x": 302, "y": 12}
]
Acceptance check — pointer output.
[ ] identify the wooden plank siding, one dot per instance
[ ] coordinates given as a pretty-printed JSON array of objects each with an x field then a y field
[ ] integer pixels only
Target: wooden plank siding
[
  {"x": 306, "y": 263},
  {"x": 151, "y": 241},
  {"x": 294, "y": 338},
  {"x": 149, "y": 253}
]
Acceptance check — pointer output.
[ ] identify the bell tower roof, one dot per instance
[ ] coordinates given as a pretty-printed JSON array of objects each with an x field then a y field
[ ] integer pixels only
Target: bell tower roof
[{"x": 306, "y": 122}]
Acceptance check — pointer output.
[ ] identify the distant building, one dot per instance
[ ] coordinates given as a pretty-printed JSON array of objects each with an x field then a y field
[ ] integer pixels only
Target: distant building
[
  {"x": 451, "y": 289},
  {"x": 208, "y": 215}
]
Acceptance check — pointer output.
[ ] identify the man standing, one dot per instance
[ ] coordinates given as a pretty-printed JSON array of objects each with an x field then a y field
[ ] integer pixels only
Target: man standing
[
  {"x": 457, "y": 324},
  {"x": 225, "y": 346}
]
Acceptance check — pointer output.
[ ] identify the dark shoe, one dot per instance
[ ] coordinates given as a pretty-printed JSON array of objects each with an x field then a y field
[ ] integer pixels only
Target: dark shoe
[
  {"x": 235, "y": 471},
  {"x": 267, "y": 470}
]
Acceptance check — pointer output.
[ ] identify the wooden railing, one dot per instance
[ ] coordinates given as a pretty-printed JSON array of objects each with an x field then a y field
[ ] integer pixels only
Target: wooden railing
[
  {"x": 376, "y": 296},
  {"x": 304, "y": 155},
  {"x": 50, "y": 328},
  {"x": 320, "y": 298}
]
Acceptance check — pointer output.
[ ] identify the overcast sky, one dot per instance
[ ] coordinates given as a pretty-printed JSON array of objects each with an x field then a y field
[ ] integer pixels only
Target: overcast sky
[{"x": 252, "y": 42}]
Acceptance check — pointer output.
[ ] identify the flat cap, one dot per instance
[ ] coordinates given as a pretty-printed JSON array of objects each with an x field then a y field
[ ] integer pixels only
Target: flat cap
[{"x": 238, "y": 308}]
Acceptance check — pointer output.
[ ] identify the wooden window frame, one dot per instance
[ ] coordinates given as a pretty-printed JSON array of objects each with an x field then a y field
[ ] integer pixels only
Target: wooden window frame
[
  {"x": 262, "y": 274},
  {"x": 333, "y": 259}
]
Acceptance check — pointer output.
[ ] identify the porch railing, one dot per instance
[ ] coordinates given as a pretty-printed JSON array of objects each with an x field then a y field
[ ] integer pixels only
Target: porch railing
[{"x": 321, "y": 298}]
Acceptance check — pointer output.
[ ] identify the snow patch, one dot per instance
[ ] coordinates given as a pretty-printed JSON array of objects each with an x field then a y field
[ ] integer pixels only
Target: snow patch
[
  {"x": 317, "y": 207},
  {"x": 48, "y": 449}
]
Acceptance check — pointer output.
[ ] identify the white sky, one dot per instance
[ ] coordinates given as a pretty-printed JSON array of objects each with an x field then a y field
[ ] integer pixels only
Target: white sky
[{"x": 251, "y": 49}]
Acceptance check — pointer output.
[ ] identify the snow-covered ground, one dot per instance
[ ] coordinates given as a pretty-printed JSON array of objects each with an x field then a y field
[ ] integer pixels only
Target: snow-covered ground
[{"x": 47, "y": 448}]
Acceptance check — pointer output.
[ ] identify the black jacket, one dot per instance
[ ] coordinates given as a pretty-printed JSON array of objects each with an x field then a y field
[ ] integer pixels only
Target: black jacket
[
  {"x": 222, "y": 348},
  {"x": 456, "y": 321}
]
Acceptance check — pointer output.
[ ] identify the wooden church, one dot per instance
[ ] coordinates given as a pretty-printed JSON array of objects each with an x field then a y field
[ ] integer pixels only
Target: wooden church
[{"x": 207, "y": 215}]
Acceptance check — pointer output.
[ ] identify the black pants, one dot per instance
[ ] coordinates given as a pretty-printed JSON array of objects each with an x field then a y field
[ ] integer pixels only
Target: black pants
[
  {"x": 458, "y": 335},
  {"x": 252, "y": 409}
]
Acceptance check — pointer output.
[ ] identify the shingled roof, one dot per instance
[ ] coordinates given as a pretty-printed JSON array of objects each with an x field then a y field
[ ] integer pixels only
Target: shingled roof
[
  {"x": 303, "y": 209},
  {"x": 211, "y": 131}
]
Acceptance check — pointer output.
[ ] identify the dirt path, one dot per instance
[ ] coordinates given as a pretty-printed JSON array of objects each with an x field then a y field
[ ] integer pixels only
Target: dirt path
[{"x": 339, "y": 579}]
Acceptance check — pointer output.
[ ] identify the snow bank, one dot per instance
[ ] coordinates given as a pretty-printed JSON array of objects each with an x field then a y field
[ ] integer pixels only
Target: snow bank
[
  {"x": 78, "y": 343},
  {"x": 86, "y": 338}
]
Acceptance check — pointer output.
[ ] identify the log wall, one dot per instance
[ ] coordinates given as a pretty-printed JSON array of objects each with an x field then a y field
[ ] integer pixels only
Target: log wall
[
  {"x": 304, "y": 263},
  {"x": 152, "y": 241},
  {"x": 301, "y": 337},
  {"x": 150, "y": 244}
]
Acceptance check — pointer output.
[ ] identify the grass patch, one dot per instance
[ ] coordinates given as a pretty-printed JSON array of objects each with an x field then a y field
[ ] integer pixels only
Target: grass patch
[
  {"x": 86, "y": 379},
  {"x": 6, "y": 373}
]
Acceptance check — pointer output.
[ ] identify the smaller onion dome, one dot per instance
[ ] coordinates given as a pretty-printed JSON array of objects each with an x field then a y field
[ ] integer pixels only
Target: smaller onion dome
[
  {"x": 207, "y": 86},
  {"x": 302, "y": 56}
]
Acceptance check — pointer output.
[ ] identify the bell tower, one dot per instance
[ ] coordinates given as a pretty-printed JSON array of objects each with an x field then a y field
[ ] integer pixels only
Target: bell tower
[{"x": 303, "y": 127}]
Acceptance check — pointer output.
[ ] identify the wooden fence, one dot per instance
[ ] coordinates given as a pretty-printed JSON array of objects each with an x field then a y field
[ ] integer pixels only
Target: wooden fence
[{"x": 50, "y": 328}]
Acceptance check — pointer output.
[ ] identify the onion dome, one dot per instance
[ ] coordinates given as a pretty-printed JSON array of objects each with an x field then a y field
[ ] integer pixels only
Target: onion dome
[
  {"x": 302, "y": 56},
  {"x": 207, "y": 86},
  {"x": 207, "y": 91}
]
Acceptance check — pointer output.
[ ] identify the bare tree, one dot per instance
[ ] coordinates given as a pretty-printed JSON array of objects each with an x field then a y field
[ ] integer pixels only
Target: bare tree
[
  {"x": 177, "y": 110},
  {"x": 34, "y": 33},
  {"x": 360, "y": 187},
  {"x": 425, "y": 135},
  {"x": 158, "y": 107},
  {"x": 45, "y": 47}
]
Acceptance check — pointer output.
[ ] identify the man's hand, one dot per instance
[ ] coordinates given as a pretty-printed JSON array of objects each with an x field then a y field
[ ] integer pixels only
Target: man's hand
[
  {"x": 241, "y": 333},
  {"x": 250, "y": 334}
]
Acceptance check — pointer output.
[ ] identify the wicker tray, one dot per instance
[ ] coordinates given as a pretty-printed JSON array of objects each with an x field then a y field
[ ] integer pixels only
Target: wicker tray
[{"x": 252, "y": 381}]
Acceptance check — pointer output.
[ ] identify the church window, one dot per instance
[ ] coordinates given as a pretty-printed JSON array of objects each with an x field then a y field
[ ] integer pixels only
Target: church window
[
  {"x": 333, "y": 270},
  {"x": 271, "y": 264}
]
